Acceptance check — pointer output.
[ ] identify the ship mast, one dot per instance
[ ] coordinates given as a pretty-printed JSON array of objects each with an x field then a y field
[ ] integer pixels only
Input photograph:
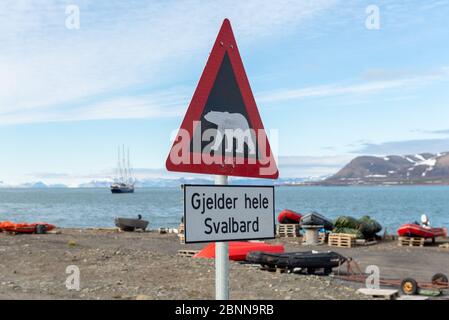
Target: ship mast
[
  {"x": 131, "y": 179},
  {"x": 119, "y": 167},
  {"x": 125, "y": 172}
]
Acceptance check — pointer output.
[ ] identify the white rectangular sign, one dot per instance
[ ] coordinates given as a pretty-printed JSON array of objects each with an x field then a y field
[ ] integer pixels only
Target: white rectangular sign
[{"x": 224, "y": 213}]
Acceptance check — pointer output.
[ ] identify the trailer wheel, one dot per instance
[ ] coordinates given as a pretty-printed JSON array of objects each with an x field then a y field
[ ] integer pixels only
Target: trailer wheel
[
  {"x": 439, "y": 277},
  {"x": 409, "y": 286}
]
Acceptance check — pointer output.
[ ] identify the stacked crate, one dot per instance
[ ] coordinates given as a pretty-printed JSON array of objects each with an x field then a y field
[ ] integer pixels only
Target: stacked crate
[
  {"x": 342, "y": 240},
  {"x": 411, "y": 242},
  {"x": 285, "y": 230}
]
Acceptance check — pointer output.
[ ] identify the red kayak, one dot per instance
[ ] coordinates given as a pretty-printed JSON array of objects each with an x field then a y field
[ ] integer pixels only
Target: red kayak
[
  {"x": 415, "y": 230},
  {"x": 289, "y": 216},
  {"x": 239, "y": 250}
]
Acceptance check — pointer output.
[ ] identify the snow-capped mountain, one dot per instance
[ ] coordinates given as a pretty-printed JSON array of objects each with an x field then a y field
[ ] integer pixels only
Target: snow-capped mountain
[{"x": 424, "y": 168}]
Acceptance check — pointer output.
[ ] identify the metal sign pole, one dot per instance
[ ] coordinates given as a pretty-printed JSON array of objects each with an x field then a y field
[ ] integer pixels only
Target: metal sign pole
[{"x": 221, "y": 259}]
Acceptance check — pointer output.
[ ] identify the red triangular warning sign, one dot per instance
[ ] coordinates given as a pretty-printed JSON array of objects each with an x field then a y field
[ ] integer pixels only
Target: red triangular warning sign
[{"x": 222, "y": 132}]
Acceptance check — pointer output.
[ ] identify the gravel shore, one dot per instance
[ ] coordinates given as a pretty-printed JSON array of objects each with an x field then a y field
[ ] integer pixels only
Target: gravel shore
[{"x": 120, "y": 265}]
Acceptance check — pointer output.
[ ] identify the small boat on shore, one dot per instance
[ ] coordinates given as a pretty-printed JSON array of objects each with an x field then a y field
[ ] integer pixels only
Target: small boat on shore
[
  {"x": 289, "y": 216},
  {"x": 416, "y": 230},
  {"x": 316, "y": 219},
  {"x": 238, "y": 250},
  {"x": 129, "y": 224},
  {"x": 310, "y": 260}
]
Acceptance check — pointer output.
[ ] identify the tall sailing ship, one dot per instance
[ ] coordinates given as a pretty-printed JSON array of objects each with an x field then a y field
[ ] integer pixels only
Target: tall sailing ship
[{"x": 124, "y": 180}]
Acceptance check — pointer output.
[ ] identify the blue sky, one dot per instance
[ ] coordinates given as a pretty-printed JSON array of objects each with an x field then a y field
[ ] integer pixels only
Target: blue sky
[{"x": 333, "y": 88}]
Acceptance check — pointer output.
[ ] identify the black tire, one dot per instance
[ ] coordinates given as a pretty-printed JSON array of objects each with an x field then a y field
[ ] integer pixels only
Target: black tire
[
  {"x": 439, "y": 277},
  {"x": 327, "y": 271},
  {"x": 310, "y": 270},
  {"x": 409, "y": 286}
]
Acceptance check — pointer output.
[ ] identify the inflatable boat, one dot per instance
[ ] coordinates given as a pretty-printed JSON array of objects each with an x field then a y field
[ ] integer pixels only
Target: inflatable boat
[
  {"x": 289, "y": 216},
  {"x": 42, "y": 227},
  {"x": 239, "y": 250},
  {"x": 316, "y": 219},
  {"x": 310, "y": 260},
  {"x": 415, "y": 230}
]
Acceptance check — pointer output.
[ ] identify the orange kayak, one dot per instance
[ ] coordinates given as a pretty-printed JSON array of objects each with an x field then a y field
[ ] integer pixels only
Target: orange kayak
[{"x": 24, "y": 227}]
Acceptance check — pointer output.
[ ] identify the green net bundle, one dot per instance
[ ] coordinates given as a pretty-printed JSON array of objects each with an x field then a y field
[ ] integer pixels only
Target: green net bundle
[
  {"x": 369, "y": 227},
  {"x": 357, "y": 232},
  {"x": 364, "y": 227}
]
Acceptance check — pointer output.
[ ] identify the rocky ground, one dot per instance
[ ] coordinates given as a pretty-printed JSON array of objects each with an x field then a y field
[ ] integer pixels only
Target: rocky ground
[{"x": 118, "y": 265}]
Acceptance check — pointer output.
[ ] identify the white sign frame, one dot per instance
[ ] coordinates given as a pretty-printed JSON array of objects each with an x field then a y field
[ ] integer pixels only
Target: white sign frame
[{"x": 265, "y": 234}]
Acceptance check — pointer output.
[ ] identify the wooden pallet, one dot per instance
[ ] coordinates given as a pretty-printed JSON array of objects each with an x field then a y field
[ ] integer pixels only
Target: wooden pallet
[
  {"x": 288, "y": 230},
  {"x": 342, "y": 240},
  {"x": 386, "y": 294},
  {"x": 411, "y": 242},
  {"x": 181, "y": 228},
  {"x": 444, "y": 245},
  {"x": 187, "y": 253}
]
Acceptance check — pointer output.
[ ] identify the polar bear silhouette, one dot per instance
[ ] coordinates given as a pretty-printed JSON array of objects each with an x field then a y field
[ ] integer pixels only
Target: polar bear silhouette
[{"x": 231, "y": 125}]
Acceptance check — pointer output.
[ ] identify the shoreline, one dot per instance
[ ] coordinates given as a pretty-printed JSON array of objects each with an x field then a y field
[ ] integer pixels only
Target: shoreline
[
  {"x": 307, "y": 184},
  {"x": 129, "y": 265}
]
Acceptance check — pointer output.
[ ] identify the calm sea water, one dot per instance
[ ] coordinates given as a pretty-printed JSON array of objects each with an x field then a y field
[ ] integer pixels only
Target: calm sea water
[{"x": 391, "y": 206}]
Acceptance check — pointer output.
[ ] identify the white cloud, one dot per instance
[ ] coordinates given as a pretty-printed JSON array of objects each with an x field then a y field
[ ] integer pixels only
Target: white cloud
[
  {"x": 360, "y": 89},
  {"x": 121, "y": 46},
  {"x": 118, "y": 47},
  {"x": 157, "y": 105},
  {"x": 404, "y": 147},
  {"x": 313, "y": 161},
  {"x": 311, "y": 166}
]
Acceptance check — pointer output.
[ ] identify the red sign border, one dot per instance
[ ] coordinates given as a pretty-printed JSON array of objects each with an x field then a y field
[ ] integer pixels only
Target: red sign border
[{"x": 225, "y": 43}]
